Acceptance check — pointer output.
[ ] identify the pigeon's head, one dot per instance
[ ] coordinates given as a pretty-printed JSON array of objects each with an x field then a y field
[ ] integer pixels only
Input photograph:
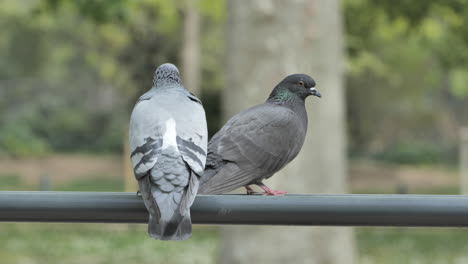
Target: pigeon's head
[
  {"x": 301, "y": 84},
  {"x": 293, "y": 86},
  {"x": 166, "y": 74}
]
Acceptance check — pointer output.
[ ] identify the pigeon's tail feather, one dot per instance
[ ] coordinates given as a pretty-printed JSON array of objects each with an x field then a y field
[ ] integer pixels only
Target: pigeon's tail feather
[
  {"x": 150, "y": 203},
  {"x": 207, "y": 175},
  {"x": 168, "y": 192},
  {"x": 174, "y": 222},
  {"x": 177, "y": 228},
  {"x": 206, "y": 180}
]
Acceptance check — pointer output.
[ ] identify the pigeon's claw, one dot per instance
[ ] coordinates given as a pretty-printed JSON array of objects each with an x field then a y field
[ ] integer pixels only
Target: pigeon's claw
[{"x": 269, "y": 191}]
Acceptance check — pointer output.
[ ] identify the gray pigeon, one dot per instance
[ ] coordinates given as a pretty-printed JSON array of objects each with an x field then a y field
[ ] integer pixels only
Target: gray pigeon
[
  {"x": 168, "y": 140},
  {"x": 258, "y": 142}
]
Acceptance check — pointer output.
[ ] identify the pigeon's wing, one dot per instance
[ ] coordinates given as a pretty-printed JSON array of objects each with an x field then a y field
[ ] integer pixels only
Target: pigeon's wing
[
  {"x": 192, "y": 133},
  {"x": 192, "y": 140},
  {"x": 146, "y": 141},
  {"x": 252, "y": 145},
  {"x": 145, "y": 135},
  {"x": 264, "y": 137}
]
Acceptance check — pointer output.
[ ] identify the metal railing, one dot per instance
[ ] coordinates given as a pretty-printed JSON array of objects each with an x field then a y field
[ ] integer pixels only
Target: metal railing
[{"x": 327, "y": 210}]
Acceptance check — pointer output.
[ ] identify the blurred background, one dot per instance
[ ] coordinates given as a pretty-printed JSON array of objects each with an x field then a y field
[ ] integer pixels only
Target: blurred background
[{"x": 393, "y": 74}]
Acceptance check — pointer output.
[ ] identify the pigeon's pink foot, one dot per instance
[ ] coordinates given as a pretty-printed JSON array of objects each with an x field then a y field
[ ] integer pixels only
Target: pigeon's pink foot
[
  {"x": 269, "y": 191},
  {"x": 275, "y": 193}
]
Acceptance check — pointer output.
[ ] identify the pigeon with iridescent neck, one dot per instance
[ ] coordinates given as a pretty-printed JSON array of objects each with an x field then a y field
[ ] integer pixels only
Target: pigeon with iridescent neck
[
  {"x": 256, "y": 143},
  {"x": 168, "y": 141}
]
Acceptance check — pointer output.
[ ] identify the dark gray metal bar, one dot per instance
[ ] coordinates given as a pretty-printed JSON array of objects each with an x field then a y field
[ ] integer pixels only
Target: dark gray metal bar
[{"x": 331, "y": 210}]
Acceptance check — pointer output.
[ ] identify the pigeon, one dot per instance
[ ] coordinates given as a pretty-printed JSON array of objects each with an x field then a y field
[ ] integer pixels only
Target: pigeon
[
  {"x": 168, "y": 144},
  {"x": 257, "y": 142}
]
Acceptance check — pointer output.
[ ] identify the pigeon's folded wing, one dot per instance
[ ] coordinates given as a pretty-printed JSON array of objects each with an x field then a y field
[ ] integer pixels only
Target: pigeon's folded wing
[
  {"x": 145, "y": 137},
  {"x": 192, "y": 138},
  {"x": 192, "y": 133},
  {"x": 261, "y": 139}
]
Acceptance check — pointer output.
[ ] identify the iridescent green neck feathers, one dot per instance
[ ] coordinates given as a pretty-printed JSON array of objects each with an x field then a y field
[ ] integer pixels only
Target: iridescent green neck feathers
[{"x": 282, "y": 94}]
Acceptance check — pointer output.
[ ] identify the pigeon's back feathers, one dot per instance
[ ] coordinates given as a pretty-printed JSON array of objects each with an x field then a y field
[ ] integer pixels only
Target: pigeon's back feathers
[
  {"x": 171, "y": 115},
  {"x": 168, "y": 143}
]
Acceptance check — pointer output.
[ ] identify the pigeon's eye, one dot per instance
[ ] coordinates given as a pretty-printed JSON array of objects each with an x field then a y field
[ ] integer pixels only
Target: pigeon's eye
[{"x": 301, "y": 83}]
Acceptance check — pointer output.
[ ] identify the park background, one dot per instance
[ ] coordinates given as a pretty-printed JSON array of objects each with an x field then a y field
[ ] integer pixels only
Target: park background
[{"x": 396, "y": 73}]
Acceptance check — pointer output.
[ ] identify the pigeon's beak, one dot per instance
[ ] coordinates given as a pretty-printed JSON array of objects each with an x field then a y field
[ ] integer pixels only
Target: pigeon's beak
[{"x": 314, "y": 92}]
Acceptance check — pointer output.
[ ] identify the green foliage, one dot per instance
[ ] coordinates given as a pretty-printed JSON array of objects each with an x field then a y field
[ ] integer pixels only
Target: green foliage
[
  {"x": 99, "y": 11},
  {"x": 73, "y": 89},
  {"x": 75, "y": 130},
  {"x": 415, "y": 153},
  {"x": 406, "y": 77},
  {"x": 459, "y": 82},
  {"x": 19, "y": 141},
  {"x": 214, "y": 10},
  {"x": 71, "y": 70}
]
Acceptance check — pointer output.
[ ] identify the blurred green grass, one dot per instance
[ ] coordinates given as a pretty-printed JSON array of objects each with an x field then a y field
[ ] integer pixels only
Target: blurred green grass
[
  {"x": 412, "y": 245},
  {"x": 439, "y": 190},
  {"x": 89, "y": 183},
  {"x": 100, "y": 243},
  {"x": 93, "y": 183},
  {"x": 10, "y": 181},
  {"x": 121, "y": 243}
]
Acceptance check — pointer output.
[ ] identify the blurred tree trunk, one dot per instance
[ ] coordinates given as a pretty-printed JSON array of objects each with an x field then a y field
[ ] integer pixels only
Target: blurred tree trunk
[
  {"x": 267, "y": 40},
  {"x": 191, "y": 47}
]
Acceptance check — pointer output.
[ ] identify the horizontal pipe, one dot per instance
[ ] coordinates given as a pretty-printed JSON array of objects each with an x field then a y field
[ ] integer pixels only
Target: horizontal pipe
[{"x": 327, "y": 210}]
